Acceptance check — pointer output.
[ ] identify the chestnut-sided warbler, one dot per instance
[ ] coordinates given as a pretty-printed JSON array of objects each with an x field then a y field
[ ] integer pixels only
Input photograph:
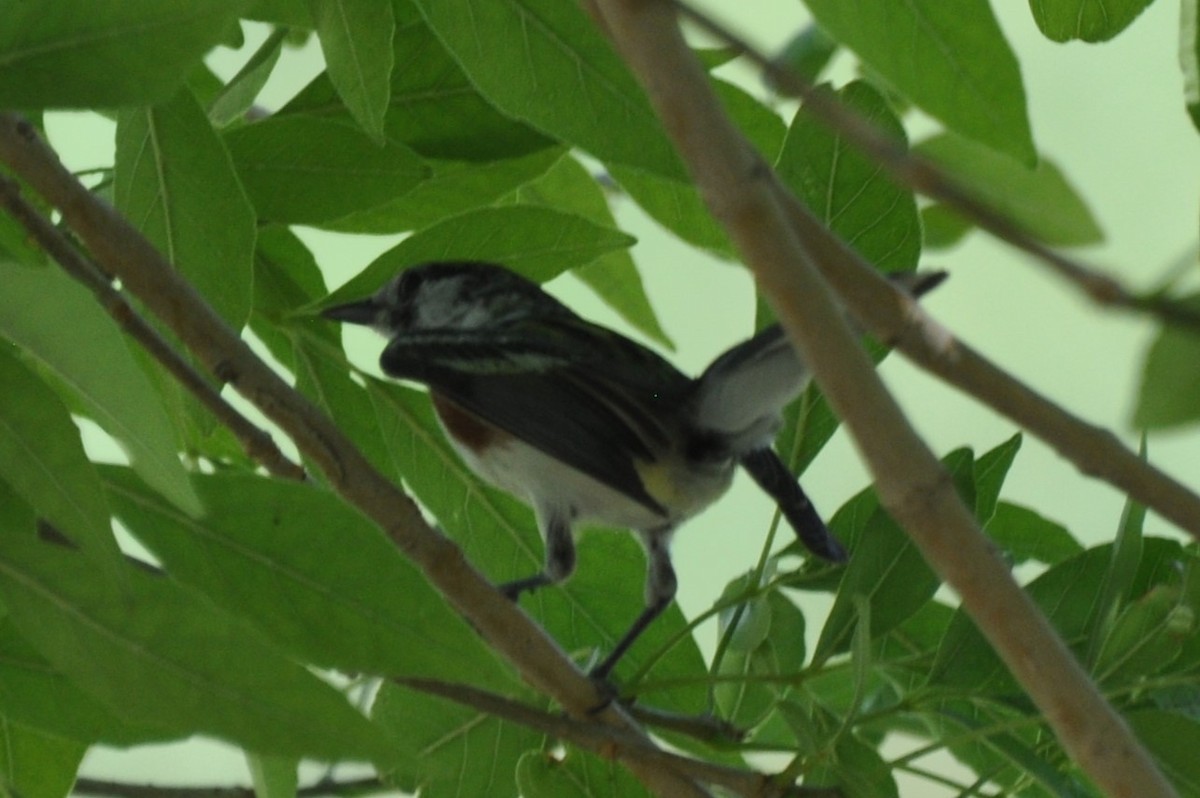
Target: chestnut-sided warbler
[{"x": 583, "y": 423}]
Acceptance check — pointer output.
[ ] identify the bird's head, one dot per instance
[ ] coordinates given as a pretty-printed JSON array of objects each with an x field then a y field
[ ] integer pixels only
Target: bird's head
[{"x": 448, "y": 295}]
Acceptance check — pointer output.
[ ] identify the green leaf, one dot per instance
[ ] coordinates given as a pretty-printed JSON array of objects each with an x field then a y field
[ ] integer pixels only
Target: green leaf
[
  {"x": 614, "y": 277},
  {"x": 537, "y": 242},
  {"x": 237, "y": 96},
  {"x": 321, "y": 375},
  {"x": 157, "y": 654},
  {"x": 312, "y": 573},
  {"x": 1144, "y": 639},
  {"x": 273, "y": 776},
  {"x": 858, "y": 769},
  {"x": 1086, "y": 20},
  {"x": 991, "y": 738},
  {"x": 34, "y": 693},
  {"x": 432, "y": 106},
  {"x": 286, "y": 277},
  {"x": 676, "y": 204},
  {"x": 1025, "y": 535},
  {"x": 578, "y": 774},
  {"x": 885, "y": 566},
  {"x": 449, "y": 749},
  {"x": 356, "y": 39},
  {"x": 921, "y": 632},
  {"x": 742, "y": 696},
  {"x": 98, "y": 53},
  {"x": 788, "y": 631},
  {"x": 34, "y": 764},
  {"x": 1065, "y": 594},
  {"x": 1172, "y": 739},
  {"x": 301, "y": 169},
  {"x": 90, "y": 356},
  {"x": 1189, "y": 57},
  {"x": 1170, "y": 391},
  {"x": 175, "y": 183},
  {"x": 990, "y": 470},
  {"x": 848, "y": 191},
  {"x": 42, "y": 459},
  {"x": 1040, "y": 199},
  {"x": 558, "y": 74},
  {"x": 951, "y": 59},
  {"x": 452, "y": 189},
  {"x": 1117, "y": 587}
]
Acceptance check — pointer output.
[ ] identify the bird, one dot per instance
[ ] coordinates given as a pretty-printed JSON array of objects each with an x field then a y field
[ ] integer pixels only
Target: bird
[{"x": 583, "y": 423}]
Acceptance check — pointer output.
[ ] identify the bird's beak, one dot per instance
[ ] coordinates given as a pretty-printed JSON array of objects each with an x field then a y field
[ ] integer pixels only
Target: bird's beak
[{"x": 362, "y": 311}]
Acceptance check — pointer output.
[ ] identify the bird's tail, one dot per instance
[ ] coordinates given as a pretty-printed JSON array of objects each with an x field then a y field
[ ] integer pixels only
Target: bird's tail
[
  {"x": 781, "y": 485},
  {"x": 741, "y": 394}
]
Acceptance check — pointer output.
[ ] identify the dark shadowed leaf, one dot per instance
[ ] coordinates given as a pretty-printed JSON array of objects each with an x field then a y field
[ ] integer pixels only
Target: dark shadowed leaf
[
  {"x": 309, "y": 571},
  {"x": 97, "y": 53},
  {"x": 157, "y": 654},
  {"x": 557, "y": 73},
  {"x": 307, "y": 170}
]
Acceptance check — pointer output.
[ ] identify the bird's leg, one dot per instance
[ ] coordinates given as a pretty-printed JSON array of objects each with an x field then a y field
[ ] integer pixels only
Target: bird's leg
[
  {"x": 660, "y": 589},
  {"x": 560, "y": 556}
]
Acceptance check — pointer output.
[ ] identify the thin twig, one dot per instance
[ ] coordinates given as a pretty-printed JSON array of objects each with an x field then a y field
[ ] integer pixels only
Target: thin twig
[
  {"x": 351, "y": 788},
  {"x": 259, "y": 446},
  {"x": 743, "y": 196},
  {"x": 122, "y": 251},
  {"x": 921, "y": 174},
  {"x": 609, "y": 742}
]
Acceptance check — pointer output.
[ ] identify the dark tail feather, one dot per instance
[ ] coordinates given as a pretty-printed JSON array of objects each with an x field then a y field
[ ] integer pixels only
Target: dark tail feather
[{"x": 773, "y": 477}]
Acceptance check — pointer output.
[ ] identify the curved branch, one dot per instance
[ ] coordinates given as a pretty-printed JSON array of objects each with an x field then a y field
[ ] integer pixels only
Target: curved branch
[{"x": 741, "y": 194}]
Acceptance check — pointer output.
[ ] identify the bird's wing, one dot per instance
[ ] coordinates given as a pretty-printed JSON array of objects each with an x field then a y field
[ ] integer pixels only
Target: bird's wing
[{"x": 566, "y": 389}]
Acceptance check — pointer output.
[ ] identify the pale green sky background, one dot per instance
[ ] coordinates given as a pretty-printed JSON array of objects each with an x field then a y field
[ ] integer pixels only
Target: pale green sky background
[{"x": 1110, "y": 115}]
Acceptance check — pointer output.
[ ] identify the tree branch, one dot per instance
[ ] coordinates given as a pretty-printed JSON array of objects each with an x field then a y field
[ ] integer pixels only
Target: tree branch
[
  {"x": 258, "y": 445},
  {"x": 122, "y": 251},
  {"x": 741, "y": 194},
  {"x": 921, "y": 174}
]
